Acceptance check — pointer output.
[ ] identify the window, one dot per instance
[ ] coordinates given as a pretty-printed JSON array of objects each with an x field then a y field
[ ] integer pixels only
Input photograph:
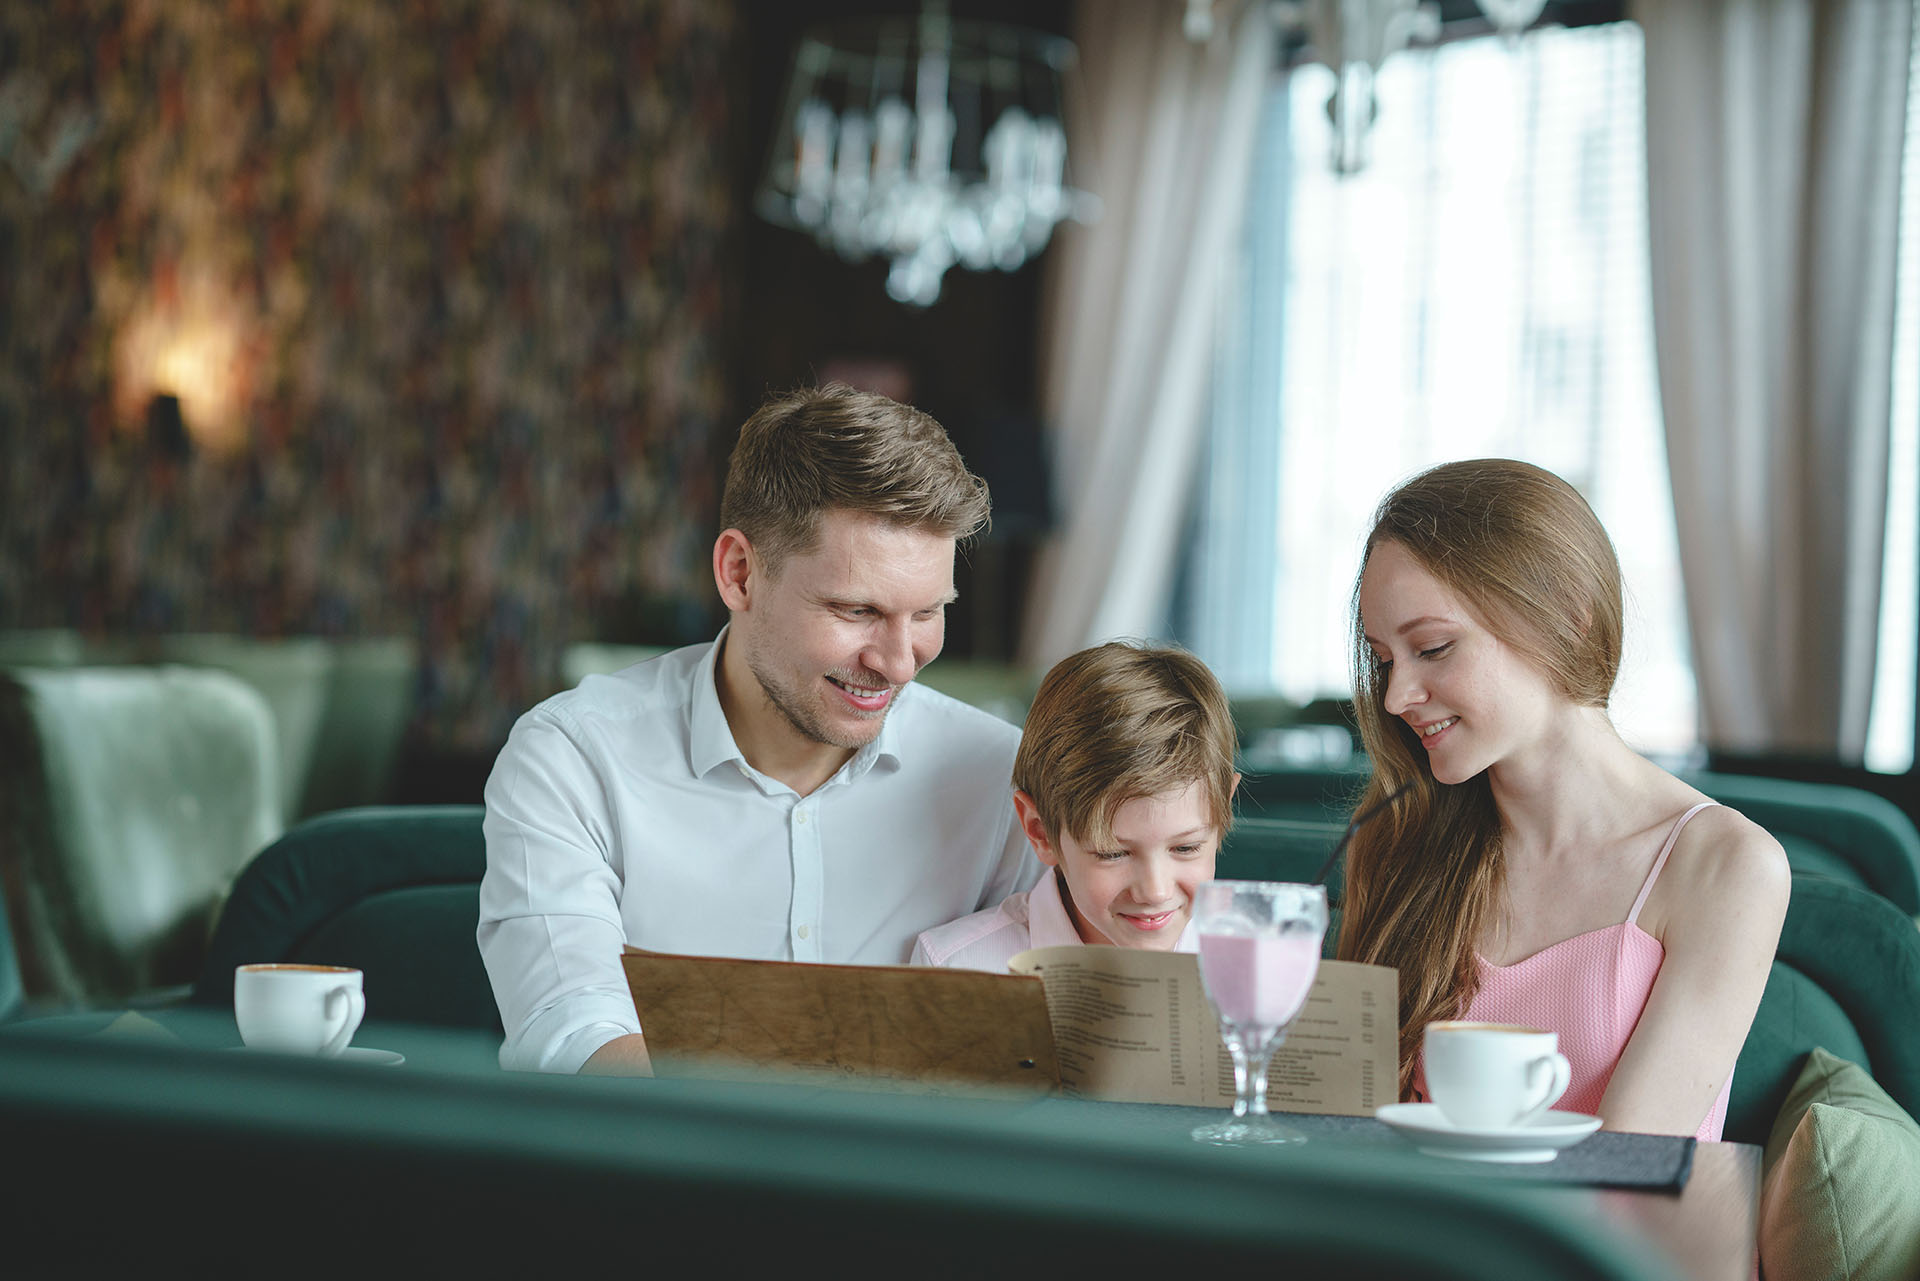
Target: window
[
  {"x": 1890, "y": 736},
  {"x": 1480, "y": 288}
]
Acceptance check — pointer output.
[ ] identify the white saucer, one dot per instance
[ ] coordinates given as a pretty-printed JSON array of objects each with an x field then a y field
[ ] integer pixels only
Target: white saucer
[
  {"x": 367, "y": 1054},
  {"x": 353, "y": 1054},
  {"x": 1539, "y": 1140}
]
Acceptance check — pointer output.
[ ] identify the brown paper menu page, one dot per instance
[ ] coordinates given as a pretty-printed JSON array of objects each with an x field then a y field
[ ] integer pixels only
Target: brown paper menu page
[
  {"x": 1135, "y": 1027},
  {"x": 886, "y": 1027}
]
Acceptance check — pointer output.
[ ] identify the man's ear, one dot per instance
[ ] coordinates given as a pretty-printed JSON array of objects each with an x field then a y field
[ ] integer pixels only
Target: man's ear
[
  {"x": 1035, "y": 829},
  {"x": 735, "y": 569}
]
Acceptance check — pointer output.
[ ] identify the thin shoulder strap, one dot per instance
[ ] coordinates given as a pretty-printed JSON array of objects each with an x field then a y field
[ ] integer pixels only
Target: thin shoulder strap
[{"x": 1660, "y": 862}]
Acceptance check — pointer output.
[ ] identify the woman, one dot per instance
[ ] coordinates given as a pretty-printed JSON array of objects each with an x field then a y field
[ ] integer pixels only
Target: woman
[{"x": 1538, "y": 870}]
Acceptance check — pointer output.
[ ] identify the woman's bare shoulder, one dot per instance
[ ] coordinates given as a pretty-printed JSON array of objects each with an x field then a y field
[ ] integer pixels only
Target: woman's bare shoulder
[{"x": 1724, "y": 867}]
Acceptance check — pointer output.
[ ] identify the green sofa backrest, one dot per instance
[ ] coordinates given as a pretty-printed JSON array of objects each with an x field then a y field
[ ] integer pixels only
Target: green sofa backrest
[
  {"x": 1846, "y": 979},
  {"x": 12, "y": 995},
  {"x": 1843, "y": 833},
  {"x": 244, "y": 1164},
  {"x": 1284, "y": 849},
  {"x": 393, "y": 891}
]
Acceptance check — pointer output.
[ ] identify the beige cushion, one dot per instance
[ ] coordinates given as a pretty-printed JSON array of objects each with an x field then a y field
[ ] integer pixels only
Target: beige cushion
[{"x": 1840, "y": 1193}]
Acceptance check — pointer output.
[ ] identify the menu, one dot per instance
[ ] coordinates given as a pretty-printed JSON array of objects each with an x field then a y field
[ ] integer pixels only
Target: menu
[
  {"x": 1135, "y": 1027},
  {"x": 1099, "y": 1022},
  {"x": 874, "y": 1027}
]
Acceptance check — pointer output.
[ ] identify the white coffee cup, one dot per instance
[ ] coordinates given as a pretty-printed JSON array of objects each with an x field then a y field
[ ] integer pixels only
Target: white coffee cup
[
  {"x": 298, "y": 1009},
  {"x": 1493, "y": 1076}
]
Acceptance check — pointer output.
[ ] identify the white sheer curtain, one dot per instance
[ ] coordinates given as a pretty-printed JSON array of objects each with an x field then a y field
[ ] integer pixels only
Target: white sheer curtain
[
  {"x": 1165, "y": 138},
  {"x": 1774, "y": 132}
]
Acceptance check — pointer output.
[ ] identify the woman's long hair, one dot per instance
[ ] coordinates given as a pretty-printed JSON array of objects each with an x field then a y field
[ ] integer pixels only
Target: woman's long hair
[{"x": 1521, "y": 549}]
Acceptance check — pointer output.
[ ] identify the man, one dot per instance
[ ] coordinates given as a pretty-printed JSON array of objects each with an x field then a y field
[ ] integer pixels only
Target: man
[{"x": 784, "y": 792}]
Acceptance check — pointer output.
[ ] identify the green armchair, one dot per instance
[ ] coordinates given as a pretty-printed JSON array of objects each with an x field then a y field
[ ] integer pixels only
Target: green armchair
[{"x": 129, "y": 799}]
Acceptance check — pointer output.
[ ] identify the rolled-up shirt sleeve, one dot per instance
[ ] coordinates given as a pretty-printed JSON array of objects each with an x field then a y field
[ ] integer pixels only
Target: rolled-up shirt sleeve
[{"x": 550, "y": 927}]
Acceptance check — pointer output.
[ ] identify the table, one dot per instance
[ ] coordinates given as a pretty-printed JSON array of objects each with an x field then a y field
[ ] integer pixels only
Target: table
[{"x": 1711, "y": 1230}]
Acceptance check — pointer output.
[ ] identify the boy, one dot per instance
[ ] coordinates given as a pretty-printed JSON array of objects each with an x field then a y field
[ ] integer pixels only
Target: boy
[{"x": 1124, "y": 786}]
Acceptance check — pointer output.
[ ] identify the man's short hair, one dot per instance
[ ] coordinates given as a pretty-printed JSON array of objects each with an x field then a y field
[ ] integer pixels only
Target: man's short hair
[
  {"x": 825, "y": 448},
  {"x": 1120, "y": 721}
]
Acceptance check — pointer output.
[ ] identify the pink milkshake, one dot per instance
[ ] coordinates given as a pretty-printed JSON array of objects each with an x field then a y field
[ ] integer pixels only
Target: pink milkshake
[{"x": 1258, "y": 982}]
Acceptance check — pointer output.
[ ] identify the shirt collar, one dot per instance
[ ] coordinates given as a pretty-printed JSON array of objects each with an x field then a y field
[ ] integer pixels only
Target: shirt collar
[
  {"x": 1048, "y": 922},
  {"x": 710, "y": 740}
]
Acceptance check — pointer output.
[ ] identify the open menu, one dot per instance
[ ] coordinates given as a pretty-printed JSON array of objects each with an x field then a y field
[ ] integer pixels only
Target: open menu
[
  {"x": 1099, "y": 1022},
  {"x": 876, "y": 1027},
  {"x": 1135, "y": 1027}
]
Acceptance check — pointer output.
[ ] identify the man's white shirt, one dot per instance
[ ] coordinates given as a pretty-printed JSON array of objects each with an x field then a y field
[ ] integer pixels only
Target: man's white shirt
[{"x": 623, "y": 812}]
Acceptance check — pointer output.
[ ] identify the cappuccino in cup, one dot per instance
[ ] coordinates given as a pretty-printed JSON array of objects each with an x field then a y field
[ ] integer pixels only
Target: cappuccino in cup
[
  {"x": 298, "y": 1009},
  {"x": 1493, "y": 1076}
]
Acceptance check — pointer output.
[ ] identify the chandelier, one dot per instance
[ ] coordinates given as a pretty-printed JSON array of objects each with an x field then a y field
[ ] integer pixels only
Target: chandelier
[
  {"x": 1353, "y": 37},
  {"x": 929, "y": 142}
]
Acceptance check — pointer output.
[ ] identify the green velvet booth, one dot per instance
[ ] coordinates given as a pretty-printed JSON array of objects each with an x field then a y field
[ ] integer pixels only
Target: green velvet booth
[
  {"x": 1279, "y": 849},
  {"x": 1846, "y": 978},
  {"x": 589, "y": 658},
  {"x": 1315, "y": 793},
  {"x": 228, "y": 1163},
  {"x": 1844, "y": 833},
  {"x": 339, "y": 705},
  {"x": 130, "y": 797},
  {"x": 1285, "y": 849},
  {"x": 1004, "y": 689},
  {"x": 13, "y": 996},
  {"x": 393, "y": 892},
  {"x": 363, "y": 719}
]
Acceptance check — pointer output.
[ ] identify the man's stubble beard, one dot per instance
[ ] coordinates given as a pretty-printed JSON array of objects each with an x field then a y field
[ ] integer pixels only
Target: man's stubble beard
[{"x": 805, "y": 719}]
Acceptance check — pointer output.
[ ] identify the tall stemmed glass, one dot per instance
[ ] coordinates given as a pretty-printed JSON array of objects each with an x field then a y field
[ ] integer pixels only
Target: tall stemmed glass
[{"x": 1259, "y": 952}]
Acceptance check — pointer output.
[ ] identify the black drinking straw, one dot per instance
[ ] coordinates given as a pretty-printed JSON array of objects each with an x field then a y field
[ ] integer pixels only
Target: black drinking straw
[{"x": 1365, "y": 816}]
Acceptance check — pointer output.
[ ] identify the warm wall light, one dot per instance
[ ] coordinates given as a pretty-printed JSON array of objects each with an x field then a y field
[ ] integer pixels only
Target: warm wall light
[{"x": 191, "y": 350}]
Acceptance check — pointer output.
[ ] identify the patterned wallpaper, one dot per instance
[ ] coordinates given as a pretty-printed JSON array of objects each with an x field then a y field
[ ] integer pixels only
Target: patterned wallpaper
[{"x": 438, "y": 286}]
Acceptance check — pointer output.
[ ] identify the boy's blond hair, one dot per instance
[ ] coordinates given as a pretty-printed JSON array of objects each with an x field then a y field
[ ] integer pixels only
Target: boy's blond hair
[{"x": 1120, "y": 721}]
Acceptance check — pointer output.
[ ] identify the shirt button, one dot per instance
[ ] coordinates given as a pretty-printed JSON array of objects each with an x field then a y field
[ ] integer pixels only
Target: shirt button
[
  {"x": 803, "y": 931},
  {"x": 800, "y": 817}
]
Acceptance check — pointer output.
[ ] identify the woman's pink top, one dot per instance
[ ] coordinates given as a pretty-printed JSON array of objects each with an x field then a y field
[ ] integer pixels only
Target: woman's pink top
[{"x": 1590, "y": 989}]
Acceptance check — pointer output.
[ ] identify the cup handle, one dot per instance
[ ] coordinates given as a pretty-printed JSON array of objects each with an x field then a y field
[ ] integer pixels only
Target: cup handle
[
  {"x": 356, "y": 1003},
  {"x": 1558, "y": 1074}
]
